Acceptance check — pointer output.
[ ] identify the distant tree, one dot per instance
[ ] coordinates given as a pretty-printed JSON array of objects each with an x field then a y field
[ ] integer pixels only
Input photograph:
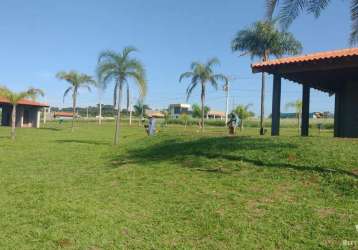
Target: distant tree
[
  {"x": 202, "y": 74},
  {"x": 166, "y": 117},
  {"x": 297, "y": 106},
  {"x": 290, "y": 10},
  {"x": 185, "y": 118},
  {"x": 76, "y": 81},
  {"x": 139, "y": 109},
  {"x": 196, "y": 111},
  {"x": 14, "y": 98},
  {"x": 261, "y": 40},
  {"x": 243, "y": 112},
  {"x": 120, "y": 68}
]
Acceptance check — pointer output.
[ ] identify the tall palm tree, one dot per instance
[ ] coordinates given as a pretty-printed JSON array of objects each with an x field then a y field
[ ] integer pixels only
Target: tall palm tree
[
  {"x": 202, "y": 74},
  {"x": 290, "y": 10},
  {"x": 76, "y": 81},
  {"x": 297, "y": 106},
  {"x": 14, "y": 98},
  {"x": 120, "y": 68},
  {"x": 262, "y": 40}
]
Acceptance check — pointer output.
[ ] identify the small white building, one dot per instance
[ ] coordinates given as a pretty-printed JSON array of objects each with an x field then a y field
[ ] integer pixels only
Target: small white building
[
  {"x": 175, "y": 110},
  {"x": 28, "y": 113}
]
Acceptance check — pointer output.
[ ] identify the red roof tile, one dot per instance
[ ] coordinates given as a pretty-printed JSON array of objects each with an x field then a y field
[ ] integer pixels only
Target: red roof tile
[
  {"x": 309, "y": 58},
  {"x": 63, "y": 114},
  {"x": 25, "y": 102}
]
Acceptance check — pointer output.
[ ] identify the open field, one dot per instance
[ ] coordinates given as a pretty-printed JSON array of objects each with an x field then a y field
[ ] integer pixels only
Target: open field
[{"x": 179, "y": 189}]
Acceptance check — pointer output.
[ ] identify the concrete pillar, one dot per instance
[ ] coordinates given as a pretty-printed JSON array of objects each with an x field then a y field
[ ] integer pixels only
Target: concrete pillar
[
  {"x": 305, "y": 110},
  {"x": 276, "y": 106},
  {"x": 38, "y": 119},
  {"x": 337, "y": 108},
  {"x": 45, "y": 114}
]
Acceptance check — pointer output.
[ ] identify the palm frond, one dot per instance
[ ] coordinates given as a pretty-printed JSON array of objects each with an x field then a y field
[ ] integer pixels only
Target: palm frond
[
  {"x": 185, "y": 75},
  {"x": 141, "y": 82},
  {"x": 68, "y": 90},
  {"x": 212, "y": 62},
  {"x": 127, "y": 51},
  {"x": 190, "y": 89},
  {"x": 270, "y": 8},
  {"x": 354, "y": 19}
]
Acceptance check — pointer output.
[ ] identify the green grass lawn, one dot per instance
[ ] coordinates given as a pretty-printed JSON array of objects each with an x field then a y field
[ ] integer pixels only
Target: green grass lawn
[{"x": 177, "y": 190}]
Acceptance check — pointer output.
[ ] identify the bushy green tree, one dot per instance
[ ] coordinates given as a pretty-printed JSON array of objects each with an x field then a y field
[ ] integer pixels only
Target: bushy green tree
[
  {"x": 243, "y": 112},
  {"x": 185, "y": 118},
  {"x": 196, "y": 111}
]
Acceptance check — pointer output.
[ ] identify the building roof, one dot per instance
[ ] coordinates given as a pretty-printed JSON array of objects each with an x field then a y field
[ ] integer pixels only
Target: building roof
[
  {"x": 24, "y": 102},
  {"x": 216, "y": 113},
  {"x": 153, "y": 113},
  {"x": 326, "y": 71},
  {"x": 315, "y": 57},
  {"x": 63, "y": 114}
]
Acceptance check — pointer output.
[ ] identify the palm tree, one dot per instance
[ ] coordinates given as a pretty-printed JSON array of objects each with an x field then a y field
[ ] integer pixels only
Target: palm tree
[
  {"x": 243, "y": 112},
  {"x": 76, "y": 81},
  {"x": 202, "y": 74},
  {"x": 139, "y": 109},
  {"x": 262, "y": 40},
  {"x": 120, "y": 68},
  {"x": 290, "y": 10},
  {"x": 14, "y": 98},
  {"x": 297, "y": 106}
]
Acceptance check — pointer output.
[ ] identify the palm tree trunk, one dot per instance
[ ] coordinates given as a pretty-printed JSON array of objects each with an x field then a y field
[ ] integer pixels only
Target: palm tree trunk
[
  {"x": 262, "y": 115},
  {"x": 241, "y": 125},
  {"x": 129, "y": 108},
  {"x": 100, "y": 114},
  {"x": 118, "y": 118},
  {"x": 13, "y": 122},
  {"x": 202, "y": 106},
  {"x": 73, "y": 110}
]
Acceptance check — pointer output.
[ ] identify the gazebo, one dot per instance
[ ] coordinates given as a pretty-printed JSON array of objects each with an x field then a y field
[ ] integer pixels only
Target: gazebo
[
  {"x": 28, "y": 113},
  {"x": 334, "y": 72}
]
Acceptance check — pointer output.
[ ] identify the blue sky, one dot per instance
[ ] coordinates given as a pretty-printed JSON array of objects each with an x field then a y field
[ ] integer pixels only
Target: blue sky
[{"x": 41, "y": 37}]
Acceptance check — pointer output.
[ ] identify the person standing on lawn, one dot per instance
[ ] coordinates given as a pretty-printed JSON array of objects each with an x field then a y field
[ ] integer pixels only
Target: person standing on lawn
[
  {"x": 232, "y": 123},
  {"x": 151, "y": 126}
]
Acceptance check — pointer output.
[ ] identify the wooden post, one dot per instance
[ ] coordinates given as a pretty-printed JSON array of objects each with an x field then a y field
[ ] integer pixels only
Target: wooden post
[
  {"x": 305, "y": 110},
  {"x": 276, "y": 106}
]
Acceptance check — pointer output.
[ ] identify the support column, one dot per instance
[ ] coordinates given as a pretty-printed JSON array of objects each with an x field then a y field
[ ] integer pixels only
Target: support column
[
  {"x": 45, "y": 114},
  {"x": 38, "y": 119},
  {"x": 305, "y": 110},
  {"x": 337, "y": 117},
  {"x": 276, "y": 106}
]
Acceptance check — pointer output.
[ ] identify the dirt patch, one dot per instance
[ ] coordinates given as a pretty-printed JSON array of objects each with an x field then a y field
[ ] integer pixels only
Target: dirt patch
[
  {"x": 325, "y": 212},
  {"x": 64, "y": 243},
  {"x": 355, "y": 171}
]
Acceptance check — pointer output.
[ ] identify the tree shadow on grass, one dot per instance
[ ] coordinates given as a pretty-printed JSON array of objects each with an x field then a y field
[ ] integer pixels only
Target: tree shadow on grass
[
  {"x": 51, "y": 129},
  {"x": 89, "y": 142},
  {"x": 198, "y": 154}
]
